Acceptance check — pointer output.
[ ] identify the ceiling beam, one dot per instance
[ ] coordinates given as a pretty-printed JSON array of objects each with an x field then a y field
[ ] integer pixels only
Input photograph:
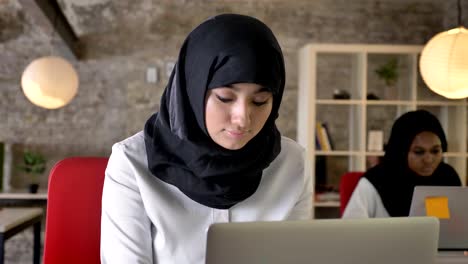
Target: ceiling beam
[{"x": 49, "y": 17}]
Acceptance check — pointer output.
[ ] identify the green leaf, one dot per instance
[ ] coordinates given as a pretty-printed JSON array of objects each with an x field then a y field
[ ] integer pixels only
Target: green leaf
[
  {"x": 33, "y": 163},
  {"x": 389, "y": 72}
]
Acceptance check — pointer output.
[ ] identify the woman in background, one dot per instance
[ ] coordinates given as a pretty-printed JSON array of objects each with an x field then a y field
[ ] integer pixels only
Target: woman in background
[
  {"x": 211, "y": 154},
  {"x": 413, "y": 156}
]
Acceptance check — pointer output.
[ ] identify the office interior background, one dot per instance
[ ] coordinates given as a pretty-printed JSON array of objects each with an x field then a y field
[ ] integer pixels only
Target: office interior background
[{"x": 120, "y": 40}]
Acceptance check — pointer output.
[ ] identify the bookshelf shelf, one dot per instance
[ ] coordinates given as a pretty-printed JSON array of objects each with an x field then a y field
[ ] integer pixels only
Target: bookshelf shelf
[
  {"x": 456, "y": 154},
  {"x": 351, "y": 68},
  {"x": 327, "y": 204},
  {"x": 441, "y": 103},
  {"x": 388, "y": 102},
  {"x": 338, "y": 102},
  {"x": 337, "y": 153}
]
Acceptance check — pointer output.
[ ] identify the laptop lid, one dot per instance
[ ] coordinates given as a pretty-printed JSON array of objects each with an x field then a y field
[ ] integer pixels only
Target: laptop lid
[
  {"x": 450, "y": 204},
  {"x": 333, "y": 241}
]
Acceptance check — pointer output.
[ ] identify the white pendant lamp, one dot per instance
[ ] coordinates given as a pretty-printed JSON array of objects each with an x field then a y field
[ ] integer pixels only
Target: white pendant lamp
[
  {"x": 444, "y": 62},
  {"x": 50, "y": 82}
]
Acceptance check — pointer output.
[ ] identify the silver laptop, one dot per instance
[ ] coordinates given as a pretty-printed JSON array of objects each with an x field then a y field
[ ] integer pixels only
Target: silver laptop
[
  {"x": 333, "y": 241},
  {"x": 453, "y": 230}
]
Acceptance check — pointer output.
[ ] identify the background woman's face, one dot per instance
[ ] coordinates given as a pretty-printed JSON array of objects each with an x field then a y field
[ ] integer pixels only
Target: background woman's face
[
  {"x": 236, "y": 113},
  {"x": 425, "y": 153}
]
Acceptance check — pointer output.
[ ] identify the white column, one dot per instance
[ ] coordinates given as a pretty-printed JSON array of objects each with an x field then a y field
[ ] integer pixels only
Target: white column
[{"x": 7, "y": 166}]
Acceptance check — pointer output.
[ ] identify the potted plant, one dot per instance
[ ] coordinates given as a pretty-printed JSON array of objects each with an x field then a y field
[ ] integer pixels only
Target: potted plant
[
  {"x": 388, "y": 72},
  {"x": 34, "y": 164}
]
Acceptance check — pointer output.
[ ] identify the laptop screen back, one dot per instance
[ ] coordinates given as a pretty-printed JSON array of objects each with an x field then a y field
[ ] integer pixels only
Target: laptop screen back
[
  {"x": 332, "y": 241},
  {"x": 453, "y": 207}
]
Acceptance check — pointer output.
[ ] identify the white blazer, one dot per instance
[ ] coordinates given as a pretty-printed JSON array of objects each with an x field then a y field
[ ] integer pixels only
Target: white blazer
[{"x": 145, "y": 220}]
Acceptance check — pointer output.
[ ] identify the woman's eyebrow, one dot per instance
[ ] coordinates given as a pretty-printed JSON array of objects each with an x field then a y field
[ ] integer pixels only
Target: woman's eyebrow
[
  {"x": 418, "y": 147},
  {"x": 261, "y": 90}
]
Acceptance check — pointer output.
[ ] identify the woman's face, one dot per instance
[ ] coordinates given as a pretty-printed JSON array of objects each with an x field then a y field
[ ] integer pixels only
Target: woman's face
[
  {"x": 236, "y": 113},
  {"x": 425, "y": 153}
]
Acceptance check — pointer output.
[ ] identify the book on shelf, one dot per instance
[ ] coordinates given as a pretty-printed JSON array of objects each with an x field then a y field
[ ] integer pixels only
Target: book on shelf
[
  {"x": 317, "y": 143},
  {"x": 327, "y": 133},
  {"x": 323, "y": 137}
]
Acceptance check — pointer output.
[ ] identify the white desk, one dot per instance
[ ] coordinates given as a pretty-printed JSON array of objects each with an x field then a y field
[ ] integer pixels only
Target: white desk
[
  {"x": 15, "y": 220},
  {"x": 23, "y": 195},
  {"x": 21, "y": 198},
  {"x": 451, "y": 257}
]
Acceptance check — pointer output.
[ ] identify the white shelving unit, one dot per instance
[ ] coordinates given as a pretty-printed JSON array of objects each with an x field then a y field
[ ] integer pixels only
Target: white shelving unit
[{"x": 324, "y": 68}]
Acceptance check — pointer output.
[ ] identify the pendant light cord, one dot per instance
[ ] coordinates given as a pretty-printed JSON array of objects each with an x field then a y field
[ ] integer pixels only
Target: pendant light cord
[
  {"x": 459, "y": 13},
  {"x": 53, "y": 33}
]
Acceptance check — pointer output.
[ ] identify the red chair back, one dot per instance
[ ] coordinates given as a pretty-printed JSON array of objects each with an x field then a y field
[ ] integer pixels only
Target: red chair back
[
  {"x": 73, "y": 220},
  {"x": 348, "y": 182}
]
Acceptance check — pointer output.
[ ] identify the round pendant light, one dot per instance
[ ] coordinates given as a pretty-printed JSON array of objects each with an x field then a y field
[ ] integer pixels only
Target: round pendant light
[
  {"x": 444, "y": 63},
  {"x": 50, "y": 82}
]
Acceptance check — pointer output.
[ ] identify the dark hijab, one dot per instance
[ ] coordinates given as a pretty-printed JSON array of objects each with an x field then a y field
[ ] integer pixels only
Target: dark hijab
[
  {"x": 392, "y": 178},
  {"x": 223, "y": 50}
]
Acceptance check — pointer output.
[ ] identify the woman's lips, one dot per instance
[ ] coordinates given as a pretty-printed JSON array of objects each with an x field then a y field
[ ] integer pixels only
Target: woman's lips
[{"x": 235, "y": 133}]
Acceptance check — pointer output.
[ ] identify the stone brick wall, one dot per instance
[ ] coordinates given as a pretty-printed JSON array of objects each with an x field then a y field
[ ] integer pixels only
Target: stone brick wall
[{"x": 123, "y": 38}]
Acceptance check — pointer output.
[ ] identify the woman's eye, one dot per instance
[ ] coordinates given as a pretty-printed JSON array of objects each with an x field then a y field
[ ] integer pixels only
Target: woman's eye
[
  {"x": 435, "y": 151},
  {"x": 260, "y": 103},
  {"x": 418, "y": 152},
  {"x": 224, "y": 99}
]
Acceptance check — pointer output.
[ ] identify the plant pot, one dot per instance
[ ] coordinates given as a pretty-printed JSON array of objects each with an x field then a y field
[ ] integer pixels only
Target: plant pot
[
  {"x": 390, "y": 92},
  {"x": 33, "y": 187}
]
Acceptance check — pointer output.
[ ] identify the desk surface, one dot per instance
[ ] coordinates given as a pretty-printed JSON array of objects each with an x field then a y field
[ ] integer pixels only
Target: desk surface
[
  {"x": 327, "y": 204},
  {"x": 12, "y": 217},
  {"x": 23, "y": 195},
  {"x": 451, "y": 257}
]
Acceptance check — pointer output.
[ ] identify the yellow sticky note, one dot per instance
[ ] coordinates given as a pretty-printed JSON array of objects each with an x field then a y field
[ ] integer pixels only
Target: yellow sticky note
[{"x": 437, "y": 206}]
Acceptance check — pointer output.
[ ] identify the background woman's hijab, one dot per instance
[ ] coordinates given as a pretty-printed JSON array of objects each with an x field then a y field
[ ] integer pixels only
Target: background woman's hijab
[
  {"x": 392, "y": 178},
  {"x": 223, "y": 50}
]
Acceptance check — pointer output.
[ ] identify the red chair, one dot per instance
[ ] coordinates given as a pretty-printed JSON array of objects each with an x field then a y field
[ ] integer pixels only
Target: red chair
[
  {"x": 73, "y": 220},
  {"x": 348, "y": 182}
]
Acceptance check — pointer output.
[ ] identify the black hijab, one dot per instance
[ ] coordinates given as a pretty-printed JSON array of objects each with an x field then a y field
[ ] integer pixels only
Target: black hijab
[
  {"x": 223, "y": 50},
  {"x": 392, "y": 178}
]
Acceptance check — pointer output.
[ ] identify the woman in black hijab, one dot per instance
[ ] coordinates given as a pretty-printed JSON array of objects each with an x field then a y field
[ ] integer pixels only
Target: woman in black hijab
[
  {"x": 413, "y": 156},
  {"x": 211, "y": 154}
]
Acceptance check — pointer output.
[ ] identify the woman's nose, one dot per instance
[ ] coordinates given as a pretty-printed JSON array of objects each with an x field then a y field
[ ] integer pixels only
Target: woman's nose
[
  {"x": 241, "y": 115},
  {"x": 428, "y": 158}
]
